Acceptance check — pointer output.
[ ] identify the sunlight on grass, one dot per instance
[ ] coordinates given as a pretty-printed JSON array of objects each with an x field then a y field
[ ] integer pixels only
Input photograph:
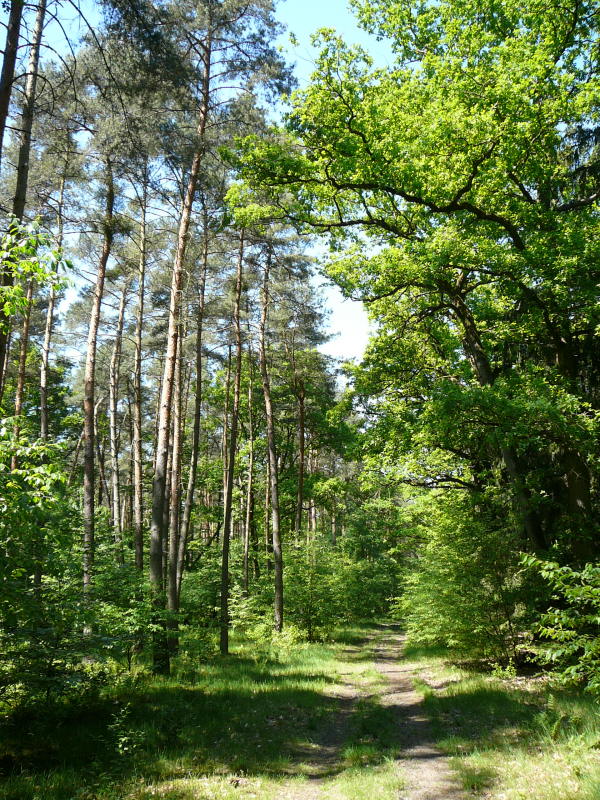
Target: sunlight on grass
[
  {"x": 512, "y": 739},
  {"x": 243, "y": 726},
  {"x": 382, "y": 782},
  {"x": 226, "y": 788}
]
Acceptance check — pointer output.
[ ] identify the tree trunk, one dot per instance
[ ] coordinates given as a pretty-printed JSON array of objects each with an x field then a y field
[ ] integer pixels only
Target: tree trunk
[
  {"x": 159, "y": 484},
  {"x": 579, "y": 503},
  {"x": 268, "y": 538},
  {"x": 175, "y": 500},
  {"x": 89, "y": 389},
  {"x": 254, "y": 540},
  {"x": 224, "y": 438},
  {"x": 475, "y": 351},
  {"x": 137, "y": 455},
  {"x": 272, "y": 454},
  {"x": 224, "y": 642},
  {"x": 249, "y": 492},
  {"x": 7, "y": 76},
  {"x": 44, "y": 370},
  {"x": 100, "y": 451},
  {"x": 113, "y": 400},
  {"x": 6, "y": 342},
  {"x": 20, "y": 389},
  {"x": 301, "y": 445},
  {"x": 191, "y": 485},
  {"x": 28, "y": 113}
]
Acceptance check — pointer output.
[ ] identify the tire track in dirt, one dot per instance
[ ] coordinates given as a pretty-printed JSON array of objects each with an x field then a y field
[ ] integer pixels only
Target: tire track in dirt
[{"x": 425, "y": 769}]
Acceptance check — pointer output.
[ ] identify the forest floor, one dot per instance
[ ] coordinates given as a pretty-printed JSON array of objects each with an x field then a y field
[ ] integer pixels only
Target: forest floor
[
  {"x": 413, "y": 768},
  {"x": 362, "y": 718}
]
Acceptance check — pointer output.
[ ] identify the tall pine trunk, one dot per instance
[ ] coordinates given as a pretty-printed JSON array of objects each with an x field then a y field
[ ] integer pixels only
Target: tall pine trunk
[
  {"x": 272, "y": 452},
  {"x": 191, "y": 484},
  {"x": 224, "y": 640},
  {"x": 249, "y": 521},
  {"x": 159, "y": 484},
  {"x": 113, "y": 401},
  {"x": 48, "y": 330},
  {"x": 175, "y": 498},
  {"x": 225, "y": 436},
  {"x": 7, "y": 75},
  {"x": 301, "y": 457},
  {"x": 24, "y": 346},
  {"x": 28, "y": 113},
  {"x": 89, "y": 388},
  {"x": 137, "y": 455}
]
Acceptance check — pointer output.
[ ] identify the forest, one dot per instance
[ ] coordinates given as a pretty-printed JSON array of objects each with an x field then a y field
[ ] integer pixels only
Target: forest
[{"x": 233, "y": 565}]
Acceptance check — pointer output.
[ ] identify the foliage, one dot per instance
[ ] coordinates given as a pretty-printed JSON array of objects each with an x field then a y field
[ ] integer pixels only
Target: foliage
[
  {"x": 26, "y": 253},
  {"x": 465, "y": 588},
  {"x": 508, "y": 737},
  {"x": 459, "y": 189},
  {"x": 311, "y": 596},
  {"x": 40, "y": 608},
  {"x": 229, "y": 725},
  {"x": 571, "y": 625}
]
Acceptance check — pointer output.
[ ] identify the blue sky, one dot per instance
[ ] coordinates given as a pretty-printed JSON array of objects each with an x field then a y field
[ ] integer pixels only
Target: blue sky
[
  {"x": 348, "y": 322},
  {"x": 304, "y": 17}
]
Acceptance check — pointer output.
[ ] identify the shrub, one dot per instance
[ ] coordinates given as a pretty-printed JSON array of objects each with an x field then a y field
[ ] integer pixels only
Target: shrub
[
  {"x": 466, "y": 589},
  {"x": 312, "y": 590},
  {"x": 572, "y": 626}
]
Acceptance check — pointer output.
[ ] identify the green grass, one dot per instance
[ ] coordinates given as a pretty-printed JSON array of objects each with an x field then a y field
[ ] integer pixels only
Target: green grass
[
  {"x": 512, "y": 739},
  {"x": 383, "y": 782},
  {"x": 239, "y": 727}
]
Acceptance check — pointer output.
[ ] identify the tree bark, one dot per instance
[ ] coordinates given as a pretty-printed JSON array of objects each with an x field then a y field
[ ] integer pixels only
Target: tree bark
[
  {"x": 249, "y": 521},
  {"x": 159, "y": 484},
  {"x": 113, "y": 401},
  {"x": 224, "y": 639},
  {"x": 44, "y": 367},
  {"x": 24, "y": 346},
  {"x": 268, "y": 538},
  {"x": 103, "y": 488},
  {"x": 301, "y": 456},
  {"x": 5, "y": 340},
  {"x": 272, "y": 455},
  {"x": 89, "y": 389},
  {"x": 28, "y": 113},
  {"x": 191, "y": 484},
  {"x": 175, "y": 491},
  {"x": 224, "y": 438},
  {"x": 7, "y": 75},
  {"x": 138, "y": 469}
]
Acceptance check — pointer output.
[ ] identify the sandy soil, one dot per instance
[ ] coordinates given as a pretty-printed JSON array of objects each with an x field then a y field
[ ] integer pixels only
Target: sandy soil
[{"x": 424, "y": 768}]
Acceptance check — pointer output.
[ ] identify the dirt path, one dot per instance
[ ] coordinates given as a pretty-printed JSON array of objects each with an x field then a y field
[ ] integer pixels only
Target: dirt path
[
  {"x": 426, "y": 770},
  {"x": 426, "y": 773}
]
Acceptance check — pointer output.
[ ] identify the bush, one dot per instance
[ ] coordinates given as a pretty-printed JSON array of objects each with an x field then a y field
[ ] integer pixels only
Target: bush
[
  {"x": 572, "y": 626},
  {"x": 467, "y": 589},
  {"x": 366, "y": 588},
  {"x": 312, "y": 590}
]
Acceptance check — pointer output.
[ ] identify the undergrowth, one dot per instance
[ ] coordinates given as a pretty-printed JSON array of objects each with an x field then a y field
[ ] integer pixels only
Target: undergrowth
[
  {"x": 219, "y": 728},
  {"x": 512, "y": 738}
]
